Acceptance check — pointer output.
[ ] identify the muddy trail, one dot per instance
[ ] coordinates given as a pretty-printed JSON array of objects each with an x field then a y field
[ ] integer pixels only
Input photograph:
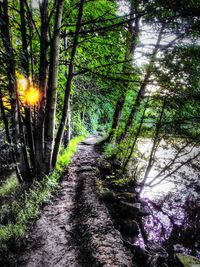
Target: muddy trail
[{"x": 75, "y": 229}]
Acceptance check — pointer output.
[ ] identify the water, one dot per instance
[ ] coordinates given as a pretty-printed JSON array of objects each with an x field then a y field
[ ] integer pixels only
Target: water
[
  {"x": 165, "y": 156},
  {"x": 174, "y": 199}
]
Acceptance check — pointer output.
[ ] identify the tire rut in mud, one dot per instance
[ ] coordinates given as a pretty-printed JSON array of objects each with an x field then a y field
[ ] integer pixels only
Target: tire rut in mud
[{"x": 81, "y": 237}]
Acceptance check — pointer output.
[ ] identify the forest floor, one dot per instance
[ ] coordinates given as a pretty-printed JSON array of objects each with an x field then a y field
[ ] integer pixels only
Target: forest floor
[{"x": 75, "y": 229}]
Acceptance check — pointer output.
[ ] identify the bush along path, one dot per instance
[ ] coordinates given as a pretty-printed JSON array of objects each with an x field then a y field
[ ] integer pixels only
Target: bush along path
[{"x": 75, "y": 229}]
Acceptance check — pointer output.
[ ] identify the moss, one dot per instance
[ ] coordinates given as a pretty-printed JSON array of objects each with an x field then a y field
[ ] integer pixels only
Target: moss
[
  {"x": 103, "y": 192},
  {"x": 121, "y": 181},
  {"x": 188, "y": 261}
]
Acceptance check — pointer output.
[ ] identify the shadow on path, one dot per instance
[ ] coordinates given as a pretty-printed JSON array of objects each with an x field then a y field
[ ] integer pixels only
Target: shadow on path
[{"x": 76, "y": 229}]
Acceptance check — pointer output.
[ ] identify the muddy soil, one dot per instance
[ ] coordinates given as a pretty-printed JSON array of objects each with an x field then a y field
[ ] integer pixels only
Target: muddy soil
[{"x": 75, "y": 229}]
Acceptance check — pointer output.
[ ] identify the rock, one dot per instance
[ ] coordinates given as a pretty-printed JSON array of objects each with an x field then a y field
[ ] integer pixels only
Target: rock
[
  {"x": 85, "y": 143},
  {"x": 128, "y": 210},
  {"x": 116, "y": 163},
  {"x": 86, "y": 169},
  {"x": 116, "y": 187},
  {"x": 144, "y": 211},
  {"x": 107, "y": 195},
  {"x": 110, "y": 177},
  {"x": 105, "y": 166},
  {"x": 141, "y": 254},
  {"x": 129, "y": 228},
  {"x": 178, "y": 248},
  {"x": 127, "y": 196},
  {"x": 188, "y": 261}
]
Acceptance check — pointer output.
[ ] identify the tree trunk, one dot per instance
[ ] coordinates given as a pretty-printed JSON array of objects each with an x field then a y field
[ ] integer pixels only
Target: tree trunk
[
  {"x": 142, "y": 89},
  {"x": 117, "y": 114},
  {"x": 129, "y": 154},
  {"x": 154, "y": 146},
  {"x": 131, "y": 43},
  {"x": 61, "y": 128},
  {"x": 25, "y": 66},
  {"x": 52, "y": 89},
  {"x": 39, "y": 146},
  {"x": 9, "y": 139},
  {"x": 20, "y": 153},
  {"x": 67, "y": 133}
]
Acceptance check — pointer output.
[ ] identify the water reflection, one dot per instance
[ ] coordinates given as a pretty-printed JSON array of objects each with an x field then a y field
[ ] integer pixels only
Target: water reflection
[{"x": 172, "y": 195}]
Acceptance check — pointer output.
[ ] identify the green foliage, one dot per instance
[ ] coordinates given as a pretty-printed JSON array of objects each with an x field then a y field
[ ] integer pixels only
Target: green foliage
[
  {"x": 66, "y": 154},
  {"x": 120, "y": 181},
  {"x": 92, "y": 105},
  {"x": 9, "y": 186},
  {"x": 99, "y": 53},
  {"x": 179, "y": 72},
  {"x": 111, "y": 149},
  {"x": 79, "y": 126},
  {"x": 28, "y": 206}
]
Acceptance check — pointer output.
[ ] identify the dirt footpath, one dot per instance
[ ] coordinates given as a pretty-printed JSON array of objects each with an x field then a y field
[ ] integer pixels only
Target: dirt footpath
[{"x": 76, "y": 229}]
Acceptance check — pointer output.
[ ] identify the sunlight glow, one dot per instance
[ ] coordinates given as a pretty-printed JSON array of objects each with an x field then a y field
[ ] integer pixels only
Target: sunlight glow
[
  {"x": 163, "y": 155},
  {"x": 32, "y": 96},
  {"x": 22, "y": 84},
  {"x": 6, "y": 102},
  {"x": 29, "y": 94}
]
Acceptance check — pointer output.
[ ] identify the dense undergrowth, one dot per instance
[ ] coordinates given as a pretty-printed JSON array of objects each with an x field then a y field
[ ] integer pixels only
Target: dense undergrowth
[
  {"x": 17, "y": 214},
  {"x": 9, "y": 186}
]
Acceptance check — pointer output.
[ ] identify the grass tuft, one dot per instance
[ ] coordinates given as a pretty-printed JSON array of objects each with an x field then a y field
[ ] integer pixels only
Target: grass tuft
[
  {"x": 28, "y": 207},
  {"x": 9, "y": 186}
]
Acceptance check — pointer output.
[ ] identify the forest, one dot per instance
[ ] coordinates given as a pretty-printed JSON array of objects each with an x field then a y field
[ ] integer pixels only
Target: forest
[{"x": 100, "y": 133}]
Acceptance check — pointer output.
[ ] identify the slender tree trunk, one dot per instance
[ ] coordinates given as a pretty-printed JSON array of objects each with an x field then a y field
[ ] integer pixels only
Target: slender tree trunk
[
  {"x": 67, "y": 133},
  {"x": 135, "y": 107},
  {"x": 131, "y": 43},
  {"x": 25, "y": 66},
  {"x": 21, "y": 154},
  {"x": 9, "y": 139},
  {"x": 69, "y": 122},
  {"x": 24, "y": 159},
  {"x": 52, "y": 89},
  {"x": 61, "y": 128},
  {"x": 117, "y": 114},
  {"x": 42, "y": 86},
  {"x": 154, "y": 146},
  {"x": 128, "y": 155},
  {"x": 142, "y": 89}
]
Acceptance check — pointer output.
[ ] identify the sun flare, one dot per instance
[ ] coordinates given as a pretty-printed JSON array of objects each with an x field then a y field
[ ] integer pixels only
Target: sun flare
[
  {"x": 29, "y": 93},
  {"x": 32, "y": 96}
]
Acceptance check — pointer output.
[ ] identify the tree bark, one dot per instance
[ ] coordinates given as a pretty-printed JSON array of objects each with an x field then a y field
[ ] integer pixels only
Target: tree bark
[
  {"x": 9, "y": 139},
  {"x": 16, "y": 134},
  {"x": 142, "y": 89},
  {"x": 154, "y": 146},
  {"x": 131, "y": 43},
  {"x": 20, "y": 153},
  {"x": 25, "y": 66},
  {"x": 52, "y": 89},
  {"x": 61, "y": 128},
  {"x": 67, "y": 133},
  {"x": 39, "y": 146},
  {"x": 129, "y": 153}
]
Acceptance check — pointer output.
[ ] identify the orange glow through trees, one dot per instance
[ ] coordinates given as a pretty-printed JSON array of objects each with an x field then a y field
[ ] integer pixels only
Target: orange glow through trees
[
  {"x": 32, "y": 96},
  {"x": 29, "y": 94}
]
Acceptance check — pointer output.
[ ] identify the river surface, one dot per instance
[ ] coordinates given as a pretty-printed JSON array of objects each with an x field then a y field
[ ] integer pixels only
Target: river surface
[{"x": 173, "y": 195}]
